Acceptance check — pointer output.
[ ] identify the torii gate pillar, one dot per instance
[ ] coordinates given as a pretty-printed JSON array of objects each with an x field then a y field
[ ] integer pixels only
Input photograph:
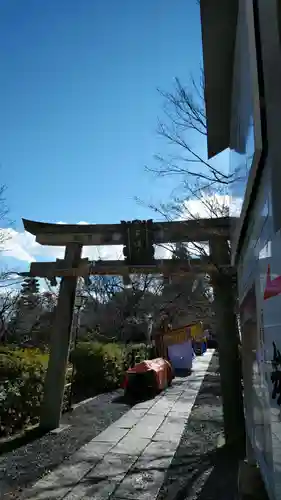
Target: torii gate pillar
[
  {"x": 228, "y": 341},
  {"x": 60, "y": 344}
]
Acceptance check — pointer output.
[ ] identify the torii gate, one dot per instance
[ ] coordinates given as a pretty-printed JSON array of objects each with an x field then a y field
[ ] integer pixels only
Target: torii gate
[{"x": 74, "y": 236}]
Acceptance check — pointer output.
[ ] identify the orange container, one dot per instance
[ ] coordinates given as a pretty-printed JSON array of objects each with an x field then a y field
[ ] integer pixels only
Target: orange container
[{"x": 160, "y": 372}]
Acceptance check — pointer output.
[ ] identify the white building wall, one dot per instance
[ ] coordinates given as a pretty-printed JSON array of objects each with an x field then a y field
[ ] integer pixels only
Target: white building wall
[
  {"x": 262, "y": 251},
  {"x": 260, "y": 315},
  {"x": 256, "y": 345}
]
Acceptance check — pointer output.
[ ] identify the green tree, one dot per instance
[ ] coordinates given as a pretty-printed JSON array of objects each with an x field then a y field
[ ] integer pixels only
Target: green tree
[{"x": 28, "y": 310}]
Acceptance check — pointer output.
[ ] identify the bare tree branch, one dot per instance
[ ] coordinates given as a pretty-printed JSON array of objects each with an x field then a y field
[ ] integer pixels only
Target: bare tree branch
[{"x": 184, "y": 121}]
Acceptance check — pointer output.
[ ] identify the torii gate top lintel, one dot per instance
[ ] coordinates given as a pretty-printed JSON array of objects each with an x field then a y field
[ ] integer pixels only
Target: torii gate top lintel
[{"x": 111, "y": 234}]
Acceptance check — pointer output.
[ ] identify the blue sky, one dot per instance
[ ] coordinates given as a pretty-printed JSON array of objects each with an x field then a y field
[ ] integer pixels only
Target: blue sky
[{"x": 79, "y": 104}]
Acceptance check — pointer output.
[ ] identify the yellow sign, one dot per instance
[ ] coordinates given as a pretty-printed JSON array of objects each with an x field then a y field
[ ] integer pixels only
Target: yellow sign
[
  {"x": 180, "y": 335},
  {"x": 177, "y": 336},
  {"x": 197, "y": 332}
]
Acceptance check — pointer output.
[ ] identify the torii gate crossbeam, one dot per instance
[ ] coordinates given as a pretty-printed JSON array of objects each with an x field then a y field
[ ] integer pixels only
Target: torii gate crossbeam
[{"x": 111, "y": 234}]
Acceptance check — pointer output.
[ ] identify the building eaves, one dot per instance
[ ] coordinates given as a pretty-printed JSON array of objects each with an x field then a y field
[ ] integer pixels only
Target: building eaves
[{"x": 218, "y": 21}]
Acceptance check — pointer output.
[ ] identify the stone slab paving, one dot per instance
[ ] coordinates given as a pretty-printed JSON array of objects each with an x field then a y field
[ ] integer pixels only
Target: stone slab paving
[{"x": 129, "y": 460}]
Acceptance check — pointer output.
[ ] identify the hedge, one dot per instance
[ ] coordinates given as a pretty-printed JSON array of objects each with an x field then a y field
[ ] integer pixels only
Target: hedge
[
  {"x": 136, "y": 352},
  {"x": 98, "y": 368},
  {"x": 21, "y": 389},
  {"x": 28, "y": 354},
  {"x": 22, "y": 375}
]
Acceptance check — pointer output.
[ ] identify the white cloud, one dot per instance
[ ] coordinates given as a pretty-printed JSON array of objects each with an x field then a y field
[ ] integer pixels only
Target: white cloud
[
  {"x": 236, "y": 207},
  {"x": 19, "y": 245},
  {"x": 163, "y": 251},
  {"x": 212, "y": 206},
  {"x": 23, "y": 247}
]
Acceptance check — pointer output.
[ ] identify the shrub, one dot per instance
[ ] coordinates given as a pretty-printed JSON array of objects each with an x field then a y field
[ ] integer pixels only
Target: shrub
[
  {"x": 27, "y": 354},
  {"x": 21, "y": 389},
  {"x": 139, "y": 351},
  {"x": 98, "y": 366},
  {"x": 33, "y": 355}
]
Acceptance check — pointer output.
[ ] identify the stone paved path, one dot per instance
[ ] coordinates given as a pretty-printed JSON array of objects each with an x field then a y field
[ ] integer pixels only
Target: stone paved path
[{"x": 129, "y": 460}]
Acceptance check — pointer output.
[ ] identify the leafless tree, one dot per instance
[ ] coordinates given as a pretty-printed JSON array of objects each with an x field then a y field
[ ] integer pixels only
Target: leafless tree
[
  {"x": 120, "y": 310},
  {"x": 5, "y": 222},
  {"x": 203, "y": 188},
  {"x": 8, "y": 303},
  {"x": 4, "y": 211},
  {"x": 8, "y": 277},
  {"x": 185, "y": 120}
]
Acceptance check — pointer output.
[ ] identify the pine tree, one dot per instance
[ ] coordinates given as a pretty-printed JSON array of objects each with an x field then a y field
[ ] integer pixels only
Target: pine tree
[
  {"x": 26, "y": 312},
  {"x": 29, "y": 291}
]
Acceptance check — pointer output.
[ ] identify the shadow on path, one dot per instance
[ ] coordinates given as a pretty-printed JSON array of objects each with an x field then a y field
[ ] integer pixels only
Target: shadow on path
[{"x": 201, "y": 469}]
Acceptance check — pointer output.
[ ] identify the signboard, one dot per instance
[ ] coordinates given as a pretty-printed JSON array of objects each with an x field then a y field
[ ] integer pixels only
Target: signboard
[
  {"x": 178, "y": 336},
  {"x": 197, "y": 332},
  {"x": 181, "y": 335},
  {"x": 273, "y": 285}
]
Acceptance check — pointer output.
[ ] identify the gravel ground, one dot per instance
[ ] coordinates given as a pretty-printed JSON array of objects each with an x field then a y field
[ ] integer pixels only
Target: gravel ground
[
  {"x": 24, "y": 466},
  {"x": 200, "y": 469}
]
